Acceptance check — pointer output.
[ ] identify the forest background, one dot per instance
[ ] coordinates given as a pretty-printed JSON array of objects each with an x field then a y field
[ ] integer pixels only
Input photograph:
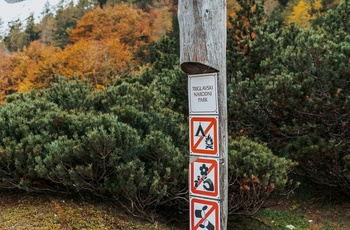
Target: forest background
[{"x": 94, "y": 103}]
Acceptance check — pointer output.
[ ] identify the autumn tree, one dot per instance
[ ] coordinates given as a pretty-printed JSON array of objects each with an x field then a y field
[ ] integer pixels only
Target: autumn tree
[
  {"x": 6, "y": 86},
  {"x": 127, "y": 23},
  {"x": 99, "y": 61},
  {"x": 46, "y": 62},
  {"x": 305, "y": 13},
  {"x": 13, "y": 70},
  {"x": 122, "y": 26},
  {"x": 301, "y": 14}
]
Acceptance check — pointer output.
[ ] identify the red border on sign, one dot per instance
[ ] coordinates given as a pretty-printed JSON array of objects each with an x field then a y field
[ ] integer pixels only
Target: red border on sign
[
  {"x": 215, "y": 207},
  {"x": 212, "y": 125},
  {"x": 214, "y": 166}
]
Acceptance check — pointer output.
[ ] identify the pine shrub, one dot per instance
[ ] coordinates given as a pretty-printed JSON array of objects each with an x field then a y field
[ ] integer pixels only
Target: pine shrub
[
  {"x": 255, "y": 174},
  {"x": 297, "y": 98}
]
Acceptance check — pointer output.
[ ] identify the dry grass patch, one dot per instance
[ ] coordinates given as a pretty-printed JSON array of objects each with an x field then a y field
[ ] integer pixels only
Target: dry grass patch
[{"x": 32, "y": 211}]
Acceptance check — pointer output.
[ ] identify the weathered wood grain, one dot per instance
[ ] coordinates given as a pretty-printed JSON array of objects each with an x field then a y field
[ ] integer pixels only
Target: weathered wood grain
[{"x": 202, "y": 25}]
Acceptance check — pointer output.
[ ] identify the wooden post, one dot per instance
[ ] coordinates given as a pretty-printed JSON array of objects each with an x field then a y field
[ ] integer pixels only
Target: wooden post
[{"x": 203, "y": 50}]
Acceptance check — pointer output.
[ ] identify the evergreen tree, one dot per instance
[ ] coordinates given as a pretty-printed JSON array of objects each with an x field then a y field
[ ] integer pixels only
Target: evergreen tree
[
  {"x": 31, "y": 30},
  {"x": 66, "y": 20},
  {"x": 84, "y": 6},
  {"x": 47, "y": 10},
  {"x": 15, "y": 39},
  {"x": 337, "y": 21},
  {"x": 46, "y": 25},
  {"x": 101, "y": 3}
]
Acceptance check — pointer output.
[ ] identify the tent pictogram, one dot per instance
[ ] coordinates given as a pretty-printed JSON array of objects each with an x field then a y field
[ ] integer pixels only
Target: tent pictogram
[
  {"x": 204, "y": 135},
  {"x": 204, "y": 178},
  {"x": 205, "y": 214}
]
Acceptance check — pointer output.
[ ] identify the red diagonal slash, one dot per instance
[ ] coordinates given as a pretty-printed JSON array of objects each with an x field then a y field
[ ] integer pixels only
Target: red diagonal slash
[
  {"x": 207, "y": 214},
  {"x": 205, "y": 132}
]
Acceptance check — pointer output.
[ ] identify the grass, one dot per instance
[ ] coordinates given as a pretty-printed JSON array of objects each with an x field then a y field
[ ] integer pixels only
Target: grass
[
  {"x": 31, "y": 211},
  {"x": 308, "y": 209}
]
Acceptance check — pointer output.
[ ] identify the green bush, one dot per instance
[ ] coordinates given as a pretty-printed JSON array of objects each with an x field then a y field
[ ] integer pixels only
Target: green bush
[
  {"x": 128, "y": 142},
  {"x": 255, "y": 173},
  {"x": 296, "y": 96}
]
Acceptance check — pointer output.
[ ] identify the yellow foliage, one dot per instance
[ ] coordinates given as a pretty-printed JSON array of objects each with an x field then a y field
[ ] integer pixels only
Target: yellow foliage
[
  {"x": 25, "y": 86},
  {"x": 317, "y": 5},
  {"x": 301, "y": 14}
]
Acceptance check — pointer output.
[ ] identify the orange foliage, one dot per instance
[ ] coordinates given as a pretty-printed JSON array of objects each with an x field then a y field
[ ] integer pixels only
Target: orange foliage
[
  {"x": 43, "y": 66},
  {"x": 104, "y": 45},
  {"x": 14, "y": 68},
  {"x": 99, "y": 61},
  {"x": 246, "y": 20},
  {"x": 247, "y": 26},
  {"x": 106, "y": 41},
  {"x": 122, "y": 22},
  {"x": 5, "y": 73}
]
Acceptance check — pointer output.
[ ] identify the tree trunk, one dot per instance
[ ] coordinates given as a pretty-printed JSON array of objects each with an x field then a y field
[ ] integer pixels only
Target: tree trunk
[
  {"x": 203, "y": 50},
  {"x": 202, "y": 35}
]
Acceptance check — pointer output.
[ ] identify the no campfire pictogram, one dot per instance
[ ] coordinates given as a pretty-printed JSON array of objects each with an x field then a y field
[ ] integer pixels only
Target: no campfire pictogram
[
  {"x": 204, "y": 178},
  {"x": 204, "y": 135},
  {"x": 205, "y": 214}
]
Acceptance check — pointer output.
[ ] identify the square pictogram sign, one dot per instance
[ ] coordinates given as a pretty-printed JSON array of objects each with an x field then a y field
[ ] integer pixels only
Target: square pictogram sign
[
  {"x": 204, "y": 135},
  {"x": 204, "y": 214},
  {"x": 204, "y": 177}
]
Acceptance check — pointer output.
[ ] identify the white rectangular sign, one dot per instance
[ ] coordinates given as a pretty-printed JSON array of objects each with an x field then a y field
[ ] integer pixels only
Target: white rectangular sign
[{"x": 203, "y": 98}]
